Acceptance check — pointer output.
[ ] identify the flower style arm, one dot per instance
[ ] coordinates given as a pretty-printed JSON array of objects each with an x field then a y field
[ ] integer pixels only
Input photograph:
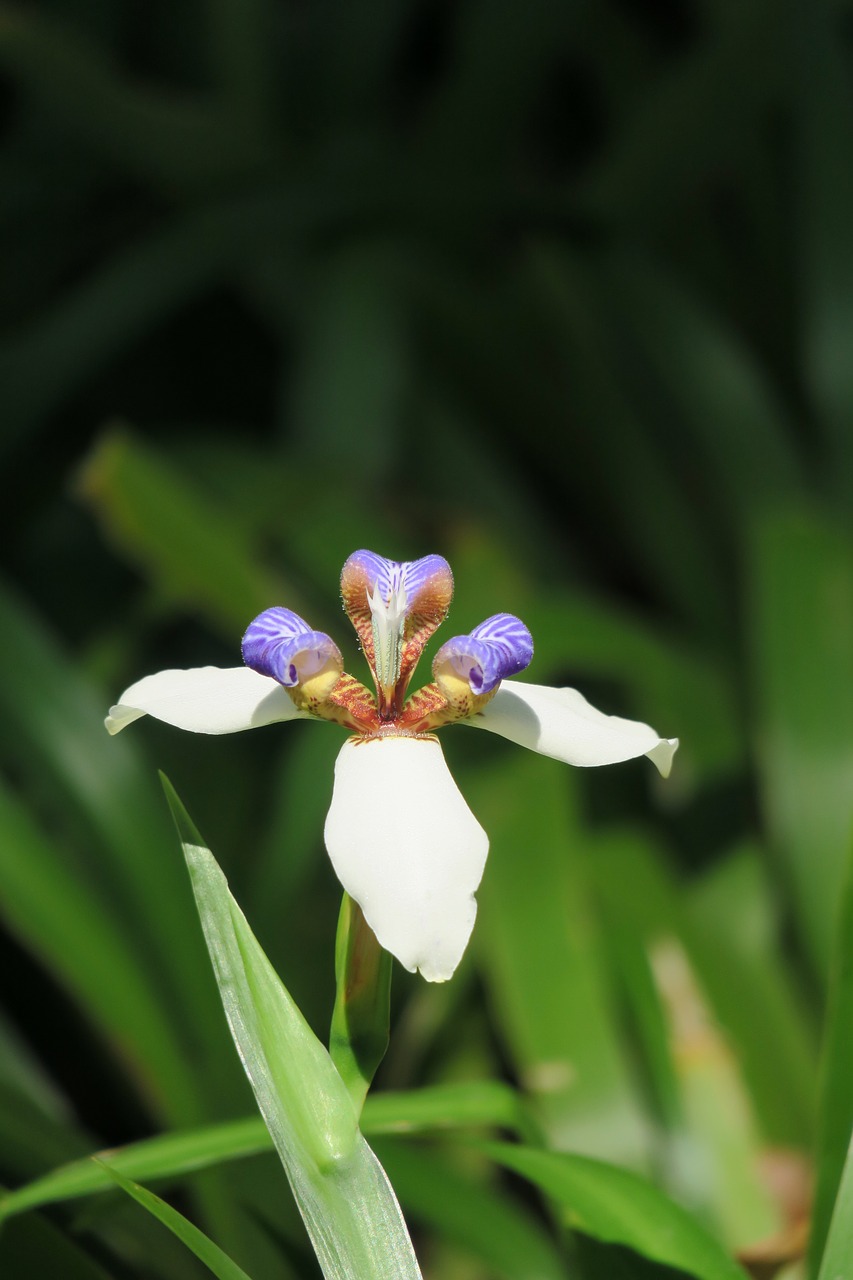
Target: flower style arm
[{"x": 395, "y": 606}]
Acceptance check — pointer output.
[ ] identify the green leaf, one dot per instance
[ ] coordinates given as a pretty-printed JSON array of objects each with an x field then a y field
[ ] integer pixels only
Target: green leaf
[
  {"x": 734, "y": 933},
  {"x": 835, "y": 1119},
  {"x": 631, "y": 471},
  {"x": 32, "y": 1141},
  {"x": 448, "y": 1106},
  {"x": 68, "y": 925},
  {"x": 617, "y": 1206},
  {"x": 837, "y": 1260},
  {"x": 346, "y": 1202},
  {"x": 726, "y": 923},
  {"x": 717, "y": 1000},
  {"x": 193, "y": 552},
  {"x": 543, "y": 960},
  {"x": 480, "y": 1103},
  {"x": 459, "y": 1207},
  {"x": 171, "y": 1155},
  {"x": 201, "y": 1245},
  {"x": 739, "y": 436},
  {"x": 116, "y": 843},
  {"x": 360, "y": 1019},
  {"x": 800, "y": 610}
]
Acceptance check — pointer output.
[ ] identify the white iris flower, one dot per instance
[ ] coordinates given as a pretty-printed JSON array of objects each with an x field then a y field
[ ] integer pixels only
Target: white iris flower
[{"x": 402, "y": 840}]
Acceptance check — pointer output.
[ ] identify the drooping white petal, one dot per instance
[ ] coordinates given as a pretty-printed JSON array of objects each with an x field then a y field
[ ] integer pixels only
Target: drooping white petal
[
  {"x": 561, "y": 723},
  {"x": 406, "y": 846},
  {"x": 205, "y": 700}
]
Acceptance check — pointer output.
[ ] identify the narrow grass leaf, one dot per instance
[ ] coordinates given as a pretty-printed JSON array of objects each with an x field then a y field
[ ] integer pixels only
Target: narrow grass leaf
[
  {"x": 205, "y": 1249},
  {"x": 633, "y": 473},
  {"x": 724, "y": 406},
  {"x": 617, "y": 1206},
  {"x": 359, "y": 1034},
  {"x": 800, "y": 614},
  {"x": 345, "y": 1199},
  {"x": 96, "y": 788},
  {"x": 837, "y": 1260},
  {"x": 469, "y": 1104},
  {"x": 835, "y": 1119},
  {"x": 192, "y": 550},
  {"x": 68, "y": 926},
  {"x": 734, "y": 933}
]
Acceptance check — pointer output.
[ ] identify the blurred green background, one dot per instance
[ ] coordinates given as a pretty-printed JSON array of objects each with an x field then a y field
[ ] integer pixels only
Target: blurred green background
[{"x": 562, "y": 292}]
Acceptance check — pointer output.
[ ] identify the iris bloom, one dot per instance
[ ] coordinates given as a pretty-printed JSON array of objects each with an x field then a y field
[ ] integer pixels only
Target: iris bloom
[{"x": 402, "y": 840}]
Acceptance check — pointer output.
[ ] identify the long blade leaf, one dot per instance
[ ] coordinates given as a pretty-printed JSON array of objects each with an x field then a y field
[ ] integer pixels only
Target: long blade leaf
[
  {"x": 614, "y": 1205},
  {"x": 346, "y": 1201}
]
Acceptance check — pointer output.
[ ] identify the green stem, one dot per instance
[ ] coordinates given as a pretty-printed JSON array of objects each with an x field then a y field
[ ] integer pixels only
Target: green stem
[{"x": 359, "y": 1032}]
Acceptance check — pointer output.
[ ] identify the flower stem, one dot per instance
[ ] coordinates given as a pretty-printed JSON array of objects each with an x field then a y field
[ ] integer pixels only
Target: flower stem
[{"x": 360, "y": 1020}]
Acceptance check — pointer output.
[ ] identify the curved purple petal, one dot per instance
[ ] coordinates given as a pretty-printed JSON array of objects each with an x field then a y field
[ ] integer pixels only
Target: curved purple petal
[
  {"x": 499, "y": 647},
  {"x": 280, "y": 644},
  {"x": 392, "y": 575}
]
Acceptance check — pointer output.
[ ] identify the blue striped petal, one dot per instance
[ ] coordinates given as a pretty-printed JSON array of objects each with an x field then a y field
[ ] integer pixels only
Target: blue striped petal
[
  {"x": 499, "y": 647},
  {"x": 395, "y": 606},
  {"x": 280, "y": 644},
  {"x": 394, "y": 578}
]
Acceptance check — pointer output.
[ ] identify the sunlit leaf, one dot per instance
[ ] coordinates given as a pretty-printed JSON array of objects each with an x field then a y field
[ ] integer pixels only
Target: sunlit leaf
[
  {"x": 193, "y": 552},
  {"x": 344, "y": 1197},
  {"x": 837, "y": 1260},
  {"x": 476, "y": 1103},
  {"x": 835, "y": 1119},
  {"x": 486, "y": 1222},
  {"x": 614, "y": 1205}
]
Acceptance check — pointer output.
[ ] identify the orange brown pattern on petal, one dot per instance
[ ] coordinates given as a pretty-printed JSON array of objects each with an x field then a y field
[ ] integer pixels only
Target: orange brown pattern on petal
[
  {"x": 355, "y": 589},
  {"x": 350, "y": 704},
  {"x": 429, "y": 708},
  {"x": 427, "y": 610}
]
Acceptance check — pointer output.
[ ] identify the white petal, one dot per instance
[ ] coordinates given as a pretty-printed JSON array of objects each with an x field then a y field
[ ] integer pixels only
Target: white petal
[
  {"x": 561, "y": 723},
  {"x": 205, "y": 700},
  {"x": 406, "y": 846}
]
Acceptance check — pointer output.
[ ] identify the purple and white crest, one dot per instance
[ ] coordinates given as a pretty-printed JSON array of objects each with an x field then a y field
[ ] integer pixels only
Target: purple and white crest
[
  {"x": 499, "y": 647},
  {"x": 397, "y": 580},
  {"x": 280, "y": 644}
]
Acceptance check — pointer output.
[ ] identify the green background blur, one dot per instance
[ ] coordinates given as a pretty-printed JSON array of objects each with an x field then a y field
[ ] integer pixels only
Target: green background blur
[{"x": 560, "y": 291}]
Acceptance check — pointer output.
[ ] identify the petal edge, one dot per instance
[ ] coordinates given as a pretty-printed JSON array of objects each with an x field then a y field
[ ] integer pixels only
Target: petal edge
[
  {"x": 562, "y": 724},
  {"x": 204, "y": 700},
  {"x": 405, "y": 845}
]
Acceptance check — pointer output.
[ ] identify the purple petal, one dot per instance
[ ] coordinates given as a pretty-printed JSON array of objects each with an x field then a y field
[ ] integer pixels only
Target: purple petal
[
  {"x": 391, "y": 575},
  {"x": 280, "y": 644},
  {"x": 499, "y": 647}
]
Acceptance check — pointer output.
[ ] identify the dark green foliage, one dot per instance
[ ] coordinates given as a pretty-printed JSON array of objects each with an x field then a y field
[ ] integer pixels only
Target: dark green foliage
[{"x": 563, "y": 292}]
